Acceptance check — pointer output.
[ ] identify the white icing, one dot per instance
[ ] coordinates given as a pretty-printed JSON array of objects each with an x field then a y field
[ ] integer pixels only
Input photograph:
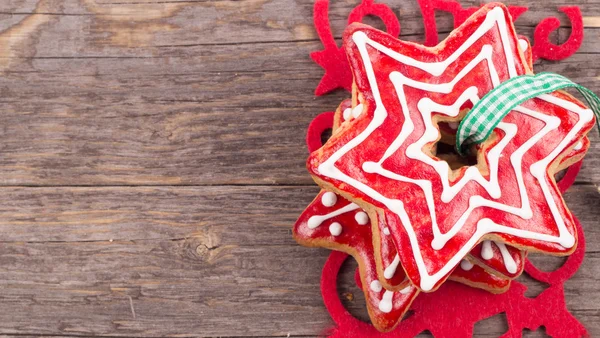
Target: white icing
[
  {"x": 406, "y": 290},
  {"x": 335, "y": 229},
  {"x": 356, "y": 111},
  {"x": 487, "y": 252},
  {"x": 495, "y": 17},
  {"x": 509, "y": 262},
  {"x": 376, "y": 286},
  {"x": 386, "y": 302},
  {"x": 386, "y": 231},
  {"x": 347, "y": 114},
  {"x": 385, "y": 305},
  {"x": 466, "y": 265},
  {"x": 316, "y": 220},
  {"x": 361, "y": 218},
  {"x": 390, "y": 271},
  {"x": 523, "y": 44},
  {"x": 329, "y": 199},
  {"x": 578, "y": 146}
]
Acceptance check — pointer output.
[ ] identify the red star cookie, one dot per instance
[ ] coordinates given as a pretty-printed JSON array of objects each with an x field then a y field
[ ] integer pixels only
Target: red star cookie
[
  {"x": 390, "y": 274},
  {"x": 498, "y": 258},
  {"x": 385, "y": 158},
  {"x": 336, "y": 223},
  {"x": 506, "y": 261}
]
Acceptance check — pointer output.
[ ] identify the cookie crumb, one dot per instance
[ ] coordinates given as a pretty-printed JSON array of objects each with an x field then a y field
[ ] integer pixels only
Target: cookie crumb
[{"x": 349, "y": 296}]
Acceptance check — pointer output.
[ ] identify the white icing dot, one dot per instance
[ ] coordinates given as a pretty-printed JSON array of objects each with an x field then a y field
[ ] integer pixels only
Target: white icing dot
[
  {"x": 487, "y": 252},
  {"x": 453, "y": 125},
  {"x": 361, "y": 218},
  {"x": 386, "y": 231},
  {"x": 356, "y": 111},
  {"x": 466, "y": 265},
  {"x": 329, "y": 199},
  {"x": 376, "y": 286},
  {"x": 385, "y": 305},
  {"x": 335, "y": 229},
  {"x": 523, "y": 44},
  {"x": 347, "y": 114},
  {"x": 578, "y": 146}
]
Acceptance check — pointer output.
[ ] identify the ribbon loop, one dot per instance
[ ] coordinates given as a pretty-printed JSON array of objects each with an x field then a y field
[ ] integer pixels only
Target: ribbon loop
[{"x": 479, "y": 122}]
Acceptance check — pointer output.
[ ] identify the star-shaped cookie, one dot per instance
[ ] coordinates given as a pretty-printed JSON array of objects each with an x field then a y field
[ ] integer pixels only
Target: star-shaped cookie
[{"x": 385, "y": 159}]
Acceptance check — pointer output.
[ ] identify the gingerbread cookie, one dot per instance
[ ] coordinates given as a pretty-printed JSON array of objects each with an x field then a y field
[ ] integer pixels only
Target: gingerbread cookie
[
  {"x": 384, "y": 160},
  {"x": 389, "y": 271},
  {"x": 496, "y": 257},
  {"x": 506, "y": 263},
  {"x": 336, "y": 223}
]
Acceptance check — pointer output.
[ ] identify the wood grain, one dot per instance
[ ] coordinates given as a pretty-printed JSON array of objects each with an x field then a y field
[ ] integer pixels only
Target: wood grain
[
  {"x": 72, "y": 257},
  {"x": 152, "y": 164},
  {"x": 130, "y": 93}
]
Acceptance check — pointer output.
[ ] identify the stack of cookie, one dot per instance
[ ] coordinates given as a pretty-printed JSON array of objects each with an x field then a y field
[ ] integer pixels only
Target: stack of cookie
[{"x": 404, "y": 204}]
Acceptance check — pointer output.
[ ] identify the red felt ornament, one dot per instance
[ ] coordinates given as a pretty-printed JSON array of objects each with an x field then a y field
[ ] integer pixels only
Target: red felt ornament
[
  {"x": 545, "y": 49},
  {"x": 428, "y": 8},
  {"x": 337, "y": 70},
  {"x": 316, "y": 128}
]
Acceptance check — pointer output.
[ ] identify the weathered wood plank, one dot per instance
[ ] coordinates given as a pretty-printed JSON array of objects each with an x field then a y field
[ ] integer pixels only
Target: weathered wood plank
[
  {"x": 155, "y": 22},
  {"x": 71, "y": 258},
  {"x": 170, "y": 93},
  {"x": 98, "y": 92},
  {"x": 82, "y": 122}
]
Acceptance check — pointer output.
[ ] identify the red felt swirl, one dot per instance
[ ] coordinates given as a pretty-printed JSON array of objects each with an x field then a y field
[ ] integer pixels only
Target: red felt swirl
[
  {"x": 316, "y": 128},
  {"x": 369, "y": 7},
  {"x": 567, "y": 270},
  {"x": 543, "y": 48},
  {"x": 569, "y": 178}
]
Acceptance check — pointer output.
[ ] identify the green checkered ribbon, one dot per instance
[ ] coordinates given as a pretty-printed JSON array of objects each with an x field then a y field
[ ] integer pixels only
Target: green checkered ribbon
[{"x": 491, "y": 109}]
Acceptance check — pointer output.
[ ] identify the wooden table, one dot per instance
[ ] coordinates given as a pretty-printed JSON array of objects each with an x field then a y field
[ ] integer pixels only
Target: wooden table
[{"x": 152, "y": 165}]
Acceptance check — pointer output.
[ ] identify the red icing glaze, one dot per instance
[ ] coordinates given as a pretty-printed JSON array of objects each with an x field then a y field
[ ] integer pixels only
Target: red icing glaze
[
  {"x": 339, "y": 114},
  {"x": 385, "y": 251},
  {"x": 489, "y": 275},
  {"x": 374, "y": 147}
]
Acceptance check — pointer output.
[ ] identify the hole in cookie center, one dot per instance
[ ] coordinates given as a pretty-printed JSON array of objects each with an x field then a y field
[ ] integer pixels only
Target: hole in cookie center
[{"x": 444, "y": 149}]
